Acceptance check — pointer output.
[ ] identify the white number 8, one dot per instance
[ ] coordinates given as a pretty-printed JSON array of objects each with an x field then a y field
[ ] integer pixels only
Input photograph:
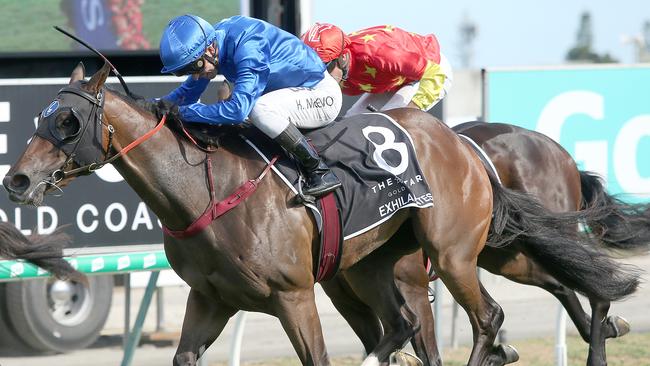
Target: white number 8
[{"x": 389, "y": 144}]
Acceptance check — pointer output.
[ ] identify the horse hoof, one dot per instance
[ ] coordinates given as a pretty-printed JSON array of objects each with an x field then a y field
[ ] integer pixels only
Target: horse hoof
[
  {"x": 508, "y": 353},
  {"x": 401, "y": 358},
  {"x": 620, "y": 325}
]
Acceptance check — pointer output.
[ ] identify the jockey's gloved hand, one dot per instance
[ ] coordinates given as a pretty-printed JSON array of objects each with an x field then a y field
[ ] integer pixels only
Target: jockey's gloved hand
[{"x": 164, "y": 107}]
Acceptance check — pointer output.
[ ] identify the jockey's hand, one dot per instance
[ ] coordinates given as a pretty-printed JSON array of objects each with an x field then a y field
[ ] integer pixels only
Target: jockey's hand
[{"x": 164, "y": 107}]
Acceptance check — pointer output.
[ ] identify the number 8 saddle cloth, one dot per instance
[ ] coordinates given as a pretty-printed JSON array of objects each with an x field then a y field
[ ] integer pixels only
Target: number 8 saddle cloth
[{"x": 375, "y": 160}]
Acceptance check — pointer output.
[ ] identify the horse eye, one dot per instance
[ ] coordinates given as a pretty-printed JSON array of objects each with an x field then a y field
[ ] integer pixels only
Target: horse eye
[
  {"x": 69, "y": 123},
  {"x": 68, "y": 128}
]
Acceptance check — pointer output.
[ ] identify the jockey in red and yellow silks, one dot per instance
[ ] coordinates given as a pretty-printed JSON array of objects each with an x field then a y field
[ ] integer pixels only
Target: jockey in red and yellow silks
[{"x": 393, "y": 67}]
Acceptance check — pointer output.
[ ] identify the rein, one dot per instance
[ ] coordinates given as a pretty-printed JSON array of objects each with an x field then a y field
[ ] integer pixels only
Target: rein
[
  {"x": 94, "y": 166},
  {"x": 189, "y": 136},
  {"x": 96, "y": 114}
]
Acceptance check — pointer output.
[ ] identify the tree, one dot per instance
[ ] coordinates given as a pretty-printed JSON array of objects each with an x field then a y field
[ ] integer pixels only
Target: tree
[
  {"x": 468, "y": 31},
  {"x": 582, "y": 51}
]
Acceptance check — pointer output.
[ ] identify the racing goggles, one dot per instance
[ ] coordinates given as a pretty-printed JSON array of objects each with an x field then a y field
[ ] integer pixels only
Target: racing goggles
[{"x": 193, "y": 67}]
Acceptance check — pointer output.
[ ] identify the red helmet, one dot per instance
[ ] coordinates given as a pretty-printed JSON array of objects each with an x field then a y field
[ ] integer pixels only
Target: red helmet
[{"x": 327, "y": 40}]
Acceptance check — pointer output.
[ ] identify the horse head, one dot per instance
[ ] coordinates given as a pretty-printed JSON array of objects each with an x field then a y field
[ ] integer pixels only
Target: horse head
[{"x": 70, "y": 140}]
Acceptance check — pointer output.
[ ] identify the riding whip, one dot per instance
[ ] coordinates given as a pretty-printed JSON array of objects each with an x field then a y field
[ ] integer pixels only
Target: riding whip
[{"x": 117, "y": 73}]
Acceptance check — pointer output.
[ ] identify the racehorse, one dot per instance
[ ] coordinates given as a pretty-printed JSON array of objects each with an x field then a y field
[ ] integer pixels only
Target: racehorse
[
  {"x": 44, "y": 251},
  {"x": 527, "y": 161},
  {"x": 259, "y": 256}
]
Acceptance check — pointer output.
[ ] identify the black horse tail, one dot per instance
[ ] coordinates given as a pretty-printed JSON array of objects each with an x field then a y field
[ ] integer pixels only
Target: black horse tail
[
  {"x": 626, "y": 227},
  {"x": 45, "y": 251},
  {"x": 554, "y": 241}
]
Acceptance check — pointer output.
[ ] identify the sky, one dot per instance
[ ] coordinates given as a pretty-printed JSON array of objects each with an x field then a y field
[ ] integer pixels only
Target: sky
[{"x": 510, "y": 32}]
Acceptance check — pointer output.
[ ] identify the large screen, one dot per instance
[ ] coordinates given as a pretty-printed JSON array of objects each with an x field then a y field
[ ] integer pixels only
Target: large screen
[{"x": 109, "y": 25}]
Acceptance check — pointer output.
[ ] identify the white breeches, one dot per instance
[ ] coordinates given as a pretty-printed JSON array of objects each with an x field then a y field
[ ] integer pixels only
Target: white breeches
[{"x": 306, "y": 108}]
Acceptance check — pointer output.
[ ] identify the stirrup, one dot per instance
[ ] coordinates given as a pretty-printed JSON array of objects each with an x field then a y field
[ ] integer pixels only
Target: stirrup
[
  {"x": 304, "y": 198},
  {"x": 324, "y": 192}
]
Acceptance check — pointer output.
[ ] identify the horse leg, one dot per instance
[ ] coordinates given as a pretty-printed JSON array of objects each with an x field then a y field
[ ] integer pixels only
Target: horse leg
[
  {"x": 455, "y": 263},
  {"x": 372, "y": 279},
  {"x": 204, "y": 320},
  {"x": 299, "y": 318},
  {"x": 423, "y": 341},
  {"x": 597, "y": 356},
  {"x": 359, "y": 316},
  {"x": 413, "y": 283},
  {"x": 518, "y": 267},
  {"x": 603, "y": 327}
]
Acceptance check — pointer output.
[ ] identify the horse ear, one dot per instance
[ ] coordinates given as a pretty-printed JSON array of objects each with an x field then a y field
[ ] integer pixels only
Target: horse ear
[
  {"x": 78, "y": 73},
  {"x": 97, "y": 81}
]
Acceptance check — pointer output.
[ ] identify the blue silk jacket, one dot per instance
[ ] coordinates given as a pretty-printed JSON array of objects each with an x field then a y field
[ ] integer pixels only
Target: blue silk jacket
[{"x": 257, "y": 58}]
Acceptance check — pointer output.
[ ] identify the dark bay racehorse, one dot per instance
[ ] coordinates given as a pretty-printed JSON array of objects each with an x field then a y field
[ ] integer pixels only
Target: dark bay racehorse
[
  {"x": 259, "y": 256},
  {"x": 44, "y": 251},
  {"x": 527, "y": 161}
]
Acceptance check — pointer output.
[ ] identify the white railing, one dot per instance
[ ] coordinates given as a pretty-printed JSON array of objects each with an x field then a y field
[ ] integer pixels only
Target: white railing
[{"x": 560, "y": 338}]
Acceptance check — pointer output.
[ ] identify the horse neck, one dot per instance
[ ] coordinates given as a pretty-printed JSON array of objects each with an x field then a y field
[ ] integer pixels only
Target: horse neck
[{"x": 168, "y": 173}]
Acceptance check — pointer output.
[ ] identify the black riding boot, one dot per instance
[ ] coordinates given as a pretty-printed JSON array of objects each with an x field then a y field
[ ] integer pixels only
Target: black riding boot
[{"x": 320, "y": 179}]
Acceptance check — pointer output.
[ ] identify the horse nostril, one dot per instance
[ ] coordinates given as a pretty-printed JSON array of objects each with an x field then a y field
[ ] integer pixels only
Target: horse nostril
[{"x": 17, "y": 183}]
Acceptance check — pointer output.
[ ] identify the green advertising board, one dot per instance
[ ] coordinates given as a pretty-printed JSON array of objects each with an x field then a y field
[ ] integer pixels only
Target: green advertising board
[
  {"x": 90, "y": 264},
  {"x": 600, "y": 114}
]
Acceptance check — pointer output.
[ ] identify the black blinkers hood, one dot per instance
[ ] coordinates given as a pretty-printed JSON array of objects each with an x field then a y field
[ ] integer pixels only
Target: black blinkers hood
[{"x": 85, "y": 147}]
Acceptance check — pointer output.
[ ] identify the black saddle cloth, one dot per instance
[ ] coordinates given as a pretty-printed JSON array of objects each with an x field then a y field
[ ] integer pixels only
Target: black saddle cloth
[{"x": 375, "y": 160}]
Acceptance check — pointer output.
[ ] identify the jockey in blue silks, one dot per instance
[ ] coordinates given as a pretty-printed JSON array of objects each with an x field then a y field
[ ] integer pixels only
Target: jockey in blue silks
[{"x": 280, "y": 84}]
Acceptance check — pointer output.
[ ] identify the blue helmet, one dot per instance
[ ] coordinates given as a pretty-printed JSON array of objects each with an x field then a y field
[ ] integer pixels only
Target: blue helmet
[{"x": 184, "y": 40}]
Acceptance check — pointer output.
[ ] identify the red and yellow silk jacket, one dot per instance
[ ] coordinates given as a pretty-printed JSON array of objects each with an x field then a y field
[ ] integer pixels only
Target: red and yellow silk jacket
[{"x": 383, "y": 58}]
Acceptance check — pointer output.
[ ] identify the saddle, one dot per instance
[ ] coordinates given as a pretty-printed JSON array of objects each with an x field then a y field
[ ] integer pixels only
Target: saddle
[{"x": 205, "y": 135}]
